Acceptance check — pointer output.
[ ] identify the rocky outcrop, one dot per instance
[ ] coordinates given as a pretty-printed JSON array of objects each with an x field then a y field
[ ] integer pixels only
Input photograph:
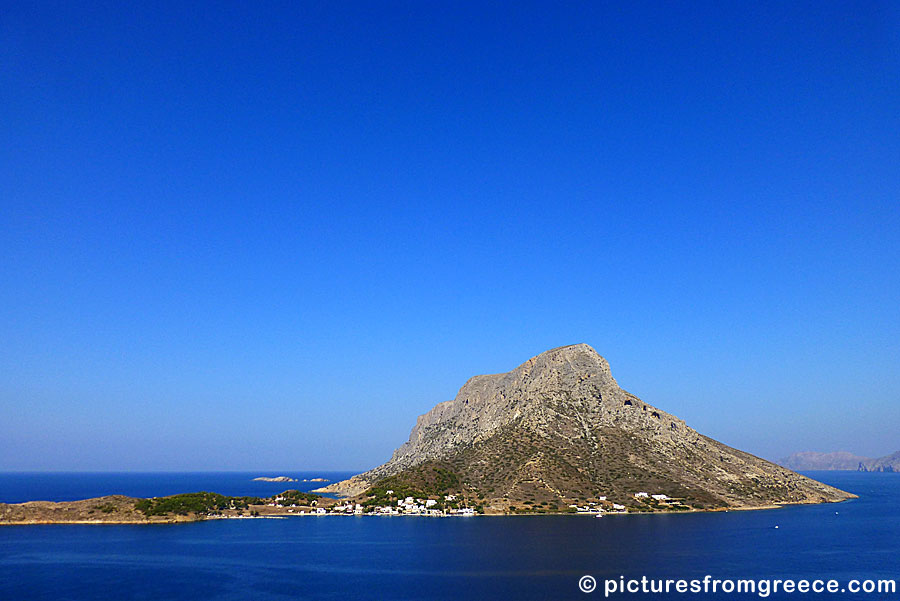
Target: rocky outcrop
[{"x": 559, "y": 424}]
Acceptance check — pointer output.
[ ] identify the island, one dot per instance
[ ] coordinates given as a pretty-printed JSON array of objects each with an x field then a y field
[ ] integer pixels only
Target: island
[
  {"x": 275, "y": 479},
  {"x": 556, "y": 435}
]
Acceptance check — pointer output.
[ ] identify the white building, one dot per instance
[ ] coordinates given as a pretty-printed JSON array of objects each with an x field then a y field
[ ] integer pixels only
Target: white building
[
  {"x": 661, "y": 497},
  {"x": 641, "y": 495}
]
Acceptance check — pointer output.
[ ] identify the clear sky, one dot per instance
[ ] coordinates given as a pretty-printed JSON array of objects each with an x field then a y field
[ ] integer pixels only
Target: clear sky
[{"x": 268, "y": 236}]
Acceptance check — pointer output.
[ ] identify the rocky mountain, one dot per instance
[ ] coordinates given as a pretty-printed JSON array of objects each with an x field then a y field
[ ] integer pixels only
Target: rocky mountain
[
  {"x": 558, "y": 430},
  {"x": 810, "y": 460}
]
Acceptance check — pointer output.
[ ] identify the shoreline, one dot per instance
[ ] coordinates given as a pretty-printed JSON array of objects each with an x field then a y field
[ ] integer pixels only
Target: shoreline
[{"x": 283, "y": 515}]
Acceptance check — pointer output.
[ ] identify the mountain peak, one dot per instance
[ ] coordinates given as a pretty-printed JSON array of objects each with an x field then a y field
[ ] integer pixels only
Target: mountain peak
[
  {"x": 570, "y": 383},
  {"x": 580, "y": 358}
]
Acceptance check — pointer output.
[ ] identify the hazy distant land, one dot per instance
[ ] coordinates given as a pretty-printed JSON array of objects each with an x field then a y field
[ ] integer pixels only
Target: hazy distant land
[{"x": 841, "y": 460}]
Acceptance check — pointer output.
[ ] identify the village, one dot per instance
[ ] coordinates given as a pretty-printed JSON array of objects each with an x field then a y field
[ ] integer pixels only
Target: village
[
  {"x": 406, "y": 506},
  {"x": 451, "y": 506}
]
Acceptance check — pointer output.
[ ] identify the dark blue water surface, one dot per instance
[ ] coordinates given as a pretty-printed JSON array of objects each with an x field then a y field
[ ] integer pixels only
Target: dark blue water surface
[
  {"x": 394, "y": 558},
  {"x": 61, "y": 486}
]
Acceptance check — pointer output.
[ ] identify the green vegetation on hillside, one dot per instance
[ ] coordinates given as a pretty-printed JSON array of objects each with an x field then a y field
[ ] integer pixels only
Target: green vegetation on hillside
[
  {"x": 296, "y": 497},
  {"x": 431, "y": 480},
  {"x": 197, "y": 502}
]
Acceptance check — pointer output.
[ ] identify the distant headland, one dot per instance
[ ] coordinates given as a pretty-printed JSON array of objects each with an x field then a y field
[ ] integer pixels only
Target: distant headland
[{"x": 841, "y": 460}]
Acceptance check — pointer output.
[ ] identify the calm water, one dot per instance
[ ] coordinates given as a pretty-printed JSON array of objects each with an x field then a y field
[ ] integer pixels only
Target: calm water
[
  {"x": 21, "y": 487},
  {"x": 394, "y": 558}
]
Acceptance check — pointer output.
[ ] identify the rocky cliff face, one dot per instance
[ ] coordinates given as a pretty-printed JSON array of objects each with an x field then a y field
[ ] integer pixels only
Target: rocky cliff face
[
  {"x": 889, "y": 463},
  {"x": 559, "y": 427}
]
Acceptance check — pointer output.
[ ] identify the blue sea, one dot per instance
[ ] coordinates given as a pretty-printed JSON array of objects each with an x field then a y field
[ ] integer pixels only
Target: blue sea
[{"x": 417, "y": 558}]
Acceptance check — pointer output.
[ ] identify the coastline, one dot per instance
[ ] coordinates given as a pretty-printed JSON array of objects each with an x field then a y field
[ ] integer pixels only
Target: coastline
[{"x": 277, "y": 514}]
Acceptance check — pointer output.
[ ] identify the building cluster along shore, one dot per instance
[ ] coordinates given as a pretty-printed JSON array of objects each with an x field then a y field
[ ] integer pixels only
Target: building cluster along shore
[
  {"x": 405, "y": 506},
  {"x": 452, "y": 505}
]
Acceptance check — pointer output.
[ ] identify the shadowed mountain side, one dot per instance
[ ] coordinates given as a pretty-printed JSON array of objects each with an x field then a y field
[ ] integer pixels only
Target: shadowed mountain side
[{"x": 888, "y": 463}]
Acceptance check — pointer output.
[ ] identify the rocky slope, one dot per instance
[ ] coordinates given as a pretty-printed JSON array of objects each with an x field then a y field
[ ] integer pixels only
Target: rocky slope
[{"x": 558, "y": 429}]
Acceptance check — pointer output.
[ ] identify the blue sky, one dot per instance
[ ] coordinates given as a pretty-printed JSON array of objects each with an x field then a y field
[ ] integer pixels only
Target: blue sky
[{"x": 268, "y": 237}]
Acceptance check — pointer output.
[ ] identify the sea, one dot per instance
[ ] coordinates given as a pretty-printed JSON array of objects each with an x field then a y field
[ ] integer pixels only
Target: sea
[{"x": 393, "y": 558}]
